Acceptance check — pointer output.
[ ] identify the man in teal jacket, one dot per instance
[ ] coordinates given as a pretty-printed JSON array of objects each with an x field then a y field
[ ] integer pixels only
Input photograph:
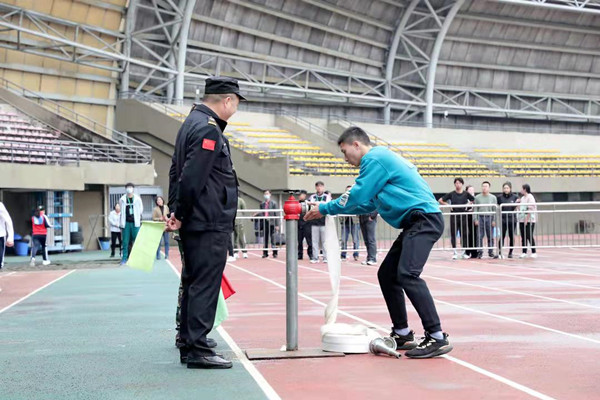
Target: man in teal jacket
[{"x": 391, "y": 185}]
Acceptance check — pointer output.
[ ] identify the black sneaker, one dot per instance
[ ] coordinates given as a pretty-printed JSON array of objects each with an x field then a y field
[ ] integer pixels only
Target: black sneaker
[
  {"x": 430, "y": 347},
  {"x": 404, "y": 342}
]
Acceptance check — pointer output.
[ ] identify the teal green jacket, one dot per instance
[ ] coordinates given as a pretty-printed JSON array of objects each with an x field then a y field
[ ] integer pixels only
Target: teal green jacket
[{"x": 387, "y": 183}]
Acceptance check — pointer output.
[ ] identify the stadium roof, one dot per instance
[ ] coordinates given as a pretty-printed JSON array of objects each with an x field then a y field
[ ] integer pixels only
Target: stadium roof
[{"x": 413, "y": 58}]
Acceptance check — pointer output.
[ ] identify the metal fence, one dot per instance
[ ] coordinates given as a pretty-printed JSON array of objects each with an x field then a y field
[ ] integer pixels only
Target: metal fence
[{"x": 550, "y": 225}]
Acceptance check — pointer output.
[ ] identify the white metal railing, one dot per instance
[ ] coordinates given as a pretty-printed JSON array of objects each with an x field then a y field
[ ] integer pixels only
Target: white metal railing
[{"x": 557, "y": 225}]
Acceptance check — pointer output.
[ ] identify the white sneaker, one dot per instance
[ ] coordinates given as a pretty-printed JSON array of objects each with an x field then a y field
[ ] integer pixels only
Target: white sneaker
[
  {"x": 236, "y": 256},
  {"x": 524, "y": 255},
  {"x": 371, "y": 262},
  {"x": 465, "y": 256},
  {"x": 455, "y": 257},
  {"x": 534, "y": 255},
  {"x": 314, "y": 261},
  {"x": 245, "y": 255},
  {"x": 32, "y": 262},
  {"x": 325, "y": 260},
  {"x": 231, "y": 259},
  {"x": 46, "y": 262}
]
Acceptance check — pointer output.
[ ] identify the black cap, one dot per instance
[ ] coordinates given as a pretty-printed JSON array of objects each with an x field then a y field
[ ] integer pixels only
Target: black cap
[
  {"x": 40, "y": 208},
  {"x": 222, "y": 85}
]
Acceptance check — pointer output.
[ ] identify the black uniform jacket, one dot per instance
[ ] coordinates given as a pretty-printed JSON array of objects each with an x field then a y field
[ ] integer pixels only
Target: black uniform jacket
[{"x": 203, "y": 188}]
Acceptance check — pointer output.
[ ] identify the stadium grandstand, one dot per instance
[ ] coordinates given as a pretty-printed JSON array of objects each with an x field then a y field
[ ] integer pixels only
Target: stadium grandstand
[{"x": 93, "y": 93}]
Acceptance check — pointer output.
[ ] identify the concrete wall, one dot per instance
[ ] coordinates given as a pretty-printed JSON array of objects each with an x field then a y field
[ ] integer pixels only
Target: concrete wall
[
  {"x": 467, "y": 140},
  {"x": 86, "y": 204},
  {"x": 159, "y": 130},
  {"x": 54, "y": 177},
  {"x": 20, "y": 206}
]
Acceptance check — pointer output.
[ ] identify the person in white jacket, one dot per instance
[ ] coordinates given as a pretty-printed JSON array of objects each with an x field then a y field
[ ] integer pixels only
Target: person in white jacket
[
  {"x": 114, "y": 220},
  {"x": 131, "y": 219},
  {"x": 6, "y": 232}
]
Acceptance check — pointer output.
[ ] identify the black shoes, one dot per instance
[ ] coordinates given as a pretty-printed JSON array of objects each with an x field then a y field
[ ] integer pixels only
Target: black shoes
[
  {"x": 404, "y": 342},
  {"x": 209, "y": 362},
  {"x": 430, "y": 347},
  {"x": 265, "y": 256}
]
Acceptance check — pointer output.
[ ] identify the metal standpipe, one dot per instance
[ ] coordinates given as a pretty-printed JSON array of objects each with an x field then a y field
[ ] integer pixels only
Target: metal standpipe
[{"x": 291, "y": 210}]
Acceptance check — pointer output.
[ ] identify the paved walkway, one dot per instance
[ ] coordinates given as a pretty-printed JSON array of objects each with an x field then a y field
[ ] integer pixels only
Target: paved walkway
[{"x": 106, "y": 334}]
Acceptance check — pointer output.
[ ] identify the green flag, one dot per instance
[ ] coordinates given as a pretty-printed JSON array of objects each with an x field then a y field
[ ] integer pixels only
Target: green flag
[
  {"x": 222, "y": 312},
  {"x": 146, "y": 243}
]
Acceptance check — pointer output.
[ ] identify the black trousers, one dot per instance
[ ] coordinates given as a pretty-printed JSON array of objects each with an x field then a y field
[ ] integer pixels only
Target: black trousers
[
  {"x": 400, "y": 272},
  {"x": 114, "y": 237},
  {"x": 527, "y": 231},
  {"x": 269, "y": 230},
  {"x": 2, "y": 250},
  {"x": 509, "y": 226},
  {"x": 459, "y": 223},
  {"x": 205, "y": 256},
  {"x": 304, "y": 232},
  {"x": 472, "y": 237}
]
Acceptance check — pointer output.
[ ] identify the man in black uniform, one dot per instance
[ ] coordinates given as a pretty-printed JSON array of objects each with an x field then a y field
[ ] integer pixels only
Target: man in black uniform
[
  {"x": 509, "y": 219},
  {"x": 203, "y": 201}
]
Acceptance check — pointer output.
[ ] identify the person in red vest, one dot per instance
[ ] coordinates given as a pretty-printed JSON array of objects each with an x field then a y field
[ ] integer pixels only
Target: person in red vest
[{"x": 40, "y": 225}]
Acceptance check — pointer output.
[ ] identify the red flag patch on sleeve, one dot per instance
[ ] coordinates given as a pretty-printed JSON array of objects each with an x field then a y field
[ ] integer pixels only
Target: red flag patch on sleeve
[{"x": 208, "y": 144}]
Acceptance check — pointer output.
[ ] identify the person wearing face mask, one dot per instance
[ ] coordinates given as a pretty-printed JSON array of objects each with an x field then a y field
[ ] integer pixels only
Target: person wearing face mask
[
  {"x": 131, "y": 219},
  {"x": 389, "y": 183},
  {"x": 40, "y": 224},
  {"x": 318, "y": 226},
  {"x": 114, "y": 220},
  {"x": 203, "y": 192},
  {"x": 269, "y": 224},
  {"x": 509, "y": 220},
  {"x": 485, "y": 221},
  {"x": 304, "y": 231}
]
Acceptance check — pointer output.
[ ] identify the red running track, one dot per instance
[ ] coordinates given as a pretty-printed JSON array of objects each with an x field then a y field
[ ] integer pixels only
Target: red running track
[{"x": 521, "y": 328}]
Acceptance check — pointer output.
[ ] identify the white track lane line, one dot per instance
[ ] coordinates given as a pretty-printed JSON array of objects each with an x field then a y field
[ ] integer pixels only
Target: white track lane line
[
  {"x": 36, "y": 291},
  {"x": 460, "y": 362},
  {"x": 254, "y": 373},
  {"x": 537, "y": 267},
  {"x": 8, "y": 274},
  {"x": 527, "y": 278},
  {"x": 473, "y": 310}
]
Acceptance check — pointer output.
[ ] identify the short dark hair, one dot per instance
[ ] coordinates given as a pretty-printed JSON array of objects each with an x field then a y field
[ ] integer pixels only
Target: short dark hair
[
  {"x": 527, "y": 187},
  {"x": 468, "y": 187},
  {"x": 266, "y": 190},
  {"x": 507, "y": 183},
  {"x": 303, "y": 192},
  {"x": 461, "y": 180},
  {"x": 216, "y": 97},
  {"x": 489, "y": 184},
  {"x": 352, "y": 134},
  {"x": 129, "y": 184},
  {"x": 319, "y": 183}
]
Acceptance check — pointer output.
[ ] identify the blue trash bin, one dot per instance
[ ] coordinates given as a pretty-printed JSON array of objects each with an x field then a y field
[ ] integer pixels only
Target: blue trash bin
[
  {"x": 104, "y": 243},
  {"x": 21, "y": 248}
]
